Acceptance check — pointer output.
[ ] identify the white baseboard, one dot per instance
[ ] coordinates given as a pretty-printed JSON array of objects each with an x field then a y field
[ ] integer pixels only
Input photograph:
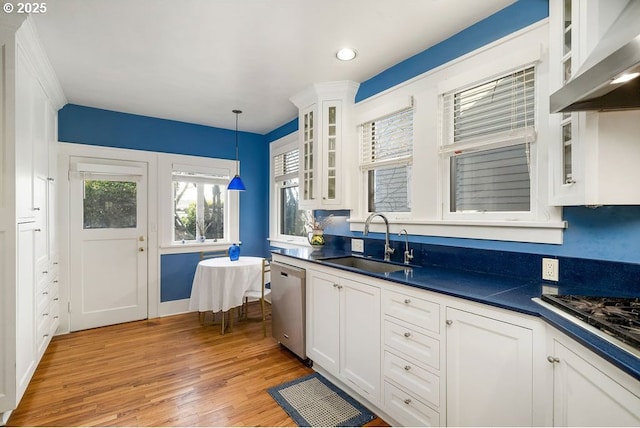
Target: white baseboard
[{"x": 173, "y": 307}]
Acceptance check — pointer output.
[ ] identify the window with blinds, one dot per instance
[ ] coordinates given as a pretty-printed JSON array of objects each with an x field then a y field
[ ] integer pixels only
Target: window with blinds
[
  {"x": 486, "y": 137},
  {"x": 386, "y": 156},
  {"x": 291, "y": 219}
]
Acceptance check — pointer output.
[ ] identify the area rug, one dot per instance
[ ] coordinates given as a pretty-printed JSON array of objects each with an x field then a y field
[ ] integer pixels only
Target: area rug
[{"x": 313, "y": 401}]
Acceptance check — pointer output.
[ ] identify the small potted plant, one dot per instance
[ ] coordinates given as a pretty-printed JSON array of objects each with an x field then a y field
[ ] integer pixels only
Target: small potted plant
[{"x": 315, "y": 230}]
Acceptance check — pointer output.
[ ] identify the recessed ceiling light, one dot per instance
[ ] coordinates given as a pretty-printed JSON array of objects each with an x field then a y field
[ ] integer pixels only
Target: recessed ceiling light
[
  {"x": 625, "y": 78},
  {"x": 346, "y": 54}
]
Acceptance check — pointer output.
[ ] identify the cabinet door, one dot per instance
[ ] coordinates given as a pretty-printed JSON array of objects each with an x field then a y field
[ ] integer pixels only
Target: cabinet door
[
  {"x": 25, "y": 308},
  {"x": 24, "y": 139},
  {"x": 585, "y": 396},
  {"x": 360, "y": 337},
  {"x": 309, "y": 158},
  {"x": 331, "y": 153},
  {"x": 323, "y": 321},
  {"x": 489, "y": 371}
]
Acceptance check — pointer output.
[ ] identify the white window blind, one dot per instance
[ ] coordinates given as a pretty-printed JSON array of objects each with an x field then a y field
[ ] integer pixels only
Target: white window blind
[
  {"x": 286, "y": 165},
  {"x": 387, "y": 150},
  {"x": 487, "y": 132},
  {"x": 496, "y": 113},
  {"x": 388, "y": 140}
]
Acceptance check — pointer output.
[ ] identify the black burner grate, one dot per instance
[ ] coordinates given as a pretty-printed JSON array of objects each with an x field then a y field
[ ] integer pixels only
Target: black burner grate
[{"x": 616, "y": 316}]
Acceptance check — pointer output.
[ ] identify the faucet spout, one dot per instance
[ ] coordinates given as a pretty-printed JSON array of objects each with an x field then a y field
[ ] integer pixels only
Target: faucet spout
[
  {"x": 408, "y": 255},
  {"x": 387, "y": 248}
]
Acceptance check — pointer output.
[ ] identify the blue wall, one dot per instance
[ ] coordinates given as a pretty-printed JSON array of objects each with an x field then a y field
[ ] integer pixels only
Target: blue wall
[{"x": 85, "y": 125}]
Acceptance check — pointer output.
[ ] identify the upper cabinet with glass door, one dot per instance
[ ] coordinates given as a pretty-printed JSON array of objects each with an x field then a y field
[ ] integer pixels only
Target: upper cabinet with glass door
[
  {"x": 324, "y": 127},
  {"x": 594, "y": 155}
]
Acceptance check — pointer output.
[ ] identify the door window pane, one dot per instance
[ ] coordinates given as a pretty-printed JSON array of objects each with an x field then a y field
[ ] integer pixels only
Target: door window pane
[{"x": 109, "y": 204}]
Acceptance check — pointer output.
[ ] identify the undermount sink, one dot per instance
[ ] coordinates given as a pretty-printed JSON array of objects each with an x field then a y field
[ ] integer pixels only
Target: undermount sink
[{"x": 366, "y": 265}]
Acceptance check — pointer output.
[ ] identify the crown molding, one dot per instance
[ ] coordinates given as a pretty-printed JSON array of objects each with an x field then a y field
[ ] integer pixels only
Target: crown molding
[{"x": 28, "y": 40}]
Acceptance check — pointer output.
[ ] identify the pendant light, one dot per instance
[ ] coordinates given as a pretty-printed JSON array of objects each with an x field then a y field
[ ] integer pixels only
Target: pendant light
[{"x": 236, "y": 182}]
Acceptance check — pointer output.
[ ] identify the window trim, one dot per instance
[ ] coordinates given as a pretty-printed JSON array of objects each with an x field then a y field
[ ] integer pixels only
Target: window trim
[
  {"x": 285, "y": 144},
  {"x": 447, "y": 150},
  {"x": 527, "y": 46},
  {"x": 167, "y": 164}
]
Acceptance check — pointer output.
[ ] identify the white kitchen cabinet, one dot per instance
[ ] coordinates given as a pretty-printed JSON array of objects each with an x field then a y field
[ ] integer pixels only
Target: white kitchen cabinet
[
  {"x": 589, "y": 391},
  {"x": 489, "y": 371},
  {"x": 326, "y": 144},
  {"x": 413, "y": 391},
  {"x": 593, "y": 155},
  {"x": 29, "y": 99},
  {"x": 343, "y": 330}
]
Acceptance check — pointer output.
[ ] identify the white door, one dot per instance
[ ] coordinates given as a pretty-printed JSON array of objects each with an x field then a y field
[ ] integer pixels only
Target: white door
[{"x": 108, "y": 242}]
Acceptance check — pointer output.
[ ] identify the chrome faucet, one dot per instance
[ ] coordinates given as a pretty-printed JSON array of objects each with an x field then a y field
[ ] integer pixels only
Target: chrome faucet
[
  {"x": 408, "y": 256},
  {"x": 387, "y": 248}
]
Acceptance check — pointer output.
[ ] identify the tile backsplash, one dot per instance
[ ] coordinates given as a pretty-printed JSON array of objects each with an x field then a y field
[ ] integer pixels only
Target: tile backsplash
[{"x": 587, "y": 275}]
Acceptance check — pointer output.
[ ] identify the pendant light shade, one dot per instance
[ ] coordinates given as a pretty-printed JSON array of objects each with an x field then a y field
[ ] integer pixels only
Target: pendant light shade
[{"x": 236, "y": 182}]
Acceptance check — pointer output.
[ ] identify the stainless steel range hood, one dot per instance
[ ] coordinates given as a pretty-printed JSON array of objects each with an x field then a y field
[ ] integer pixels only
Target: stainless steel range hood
[{"x": 616, "y": 54}]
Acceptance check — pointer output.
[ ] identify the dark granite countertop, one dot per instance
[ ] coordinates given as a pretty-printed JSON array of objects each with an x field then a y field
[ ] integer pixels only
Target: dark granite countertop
[{"x": 500, "y": 291}]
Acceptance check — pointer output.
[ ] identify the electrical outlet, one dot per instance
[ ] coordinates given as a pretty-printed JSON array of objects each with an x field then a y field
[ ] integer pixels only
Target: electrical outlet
[
  {"x": 357, "y": 245},
  {"x": 550, "y": 269}
]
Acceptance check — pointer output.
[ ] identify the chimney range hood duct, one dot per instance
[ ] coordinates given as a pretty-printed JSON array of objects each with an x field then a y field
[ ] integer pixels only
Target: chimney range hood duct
[{"x": 616, "y": 54}]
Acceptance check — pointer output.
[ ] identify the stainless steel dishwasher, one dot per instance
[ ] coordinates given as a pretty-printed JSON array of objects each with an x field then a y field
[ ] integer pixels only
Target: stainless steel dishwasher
[{"x": 288, "y": 307}]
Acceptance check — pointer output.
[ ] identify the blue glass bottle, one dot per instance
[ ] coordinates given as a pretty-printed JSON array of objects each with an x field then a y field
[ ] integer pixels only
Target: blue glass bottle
[{"x": 234, "y": 252}]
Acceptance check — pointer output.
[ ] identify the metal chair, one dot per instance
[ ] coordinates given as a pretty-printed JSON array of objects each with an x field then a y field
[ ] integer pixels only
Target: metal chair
[{"x": 263, "y": 295}]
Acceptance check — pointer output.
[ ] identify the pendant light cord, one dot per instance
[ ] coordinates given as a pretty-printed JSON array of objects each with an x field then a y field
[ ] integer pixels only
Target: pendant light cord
[{"x": 237, "y": 112}]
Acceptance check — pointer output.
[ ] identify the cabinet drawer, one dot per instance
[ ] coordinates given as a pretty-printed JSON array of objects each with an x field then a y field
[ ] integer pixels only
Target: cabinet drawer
[
  {"x": 413, "y": 378},
  {"x": 408, "y": 342},
  {"x": 411, "y": 309},
  {"x": 407, "y": 409}
]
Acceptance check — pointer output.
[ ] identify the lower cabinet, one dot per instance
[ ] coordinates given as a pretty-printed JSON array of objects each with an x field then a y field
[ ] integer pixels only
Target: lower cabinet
[
  {"x": 343, "y": 322},
  {"x": 489, "y": 371},
  {"x": 588, "y": 391}
]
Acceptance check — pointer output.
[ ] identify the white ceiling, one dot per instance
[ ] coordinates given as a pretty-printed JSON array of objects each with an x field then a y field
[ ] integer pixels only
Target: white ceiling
[{"x": 196, "y": 60}]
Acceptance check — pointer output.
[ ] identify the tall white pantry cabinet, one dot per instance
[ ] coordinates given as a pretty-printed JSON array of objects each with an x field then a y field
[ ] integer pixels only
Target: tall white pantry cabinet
[{"x": 30, "y": 97}]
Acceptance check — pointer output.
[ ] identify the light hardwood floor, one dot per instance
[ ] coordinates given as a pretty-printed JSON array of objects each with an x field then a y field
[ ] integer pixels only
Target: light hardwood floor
[{"x": 169, "y": 371}]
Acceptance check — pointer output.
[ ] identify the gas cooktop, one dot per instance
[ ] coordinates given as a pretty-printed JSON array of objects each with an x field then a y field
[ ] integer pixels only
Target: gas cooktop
[{"x": 616, "y": 316}]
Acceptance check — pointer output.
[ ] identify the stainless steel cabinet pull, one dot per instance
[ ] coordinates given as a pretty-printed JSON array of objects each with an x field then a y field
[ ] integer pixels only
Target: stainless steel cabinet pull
[
  {"x": 36, "y": 209},
  {"x": 45, "y": 272},
  {"x": 407, "y": 401},
  {"x": 449, "y": 322},
  {"x": 44, "y": 293},
  {"x": 407, "y": 301},
  {"x": 335, "y": 285},
  {"x": 407, "y": 368},
  {"x": 37, "y": 230},
  {"x": 553, "y": 360},
  {"x": 339, "y": 287},
  {"x": 50, "y": 179},
  {"x": 45, "y": 315},
  {"x": 407, "y": 334}
]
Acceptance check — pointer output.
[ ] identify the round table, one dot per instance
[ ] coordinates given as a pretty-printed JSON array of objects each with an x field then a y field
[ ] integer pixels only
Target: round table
[{"x": 219, "y": 283}]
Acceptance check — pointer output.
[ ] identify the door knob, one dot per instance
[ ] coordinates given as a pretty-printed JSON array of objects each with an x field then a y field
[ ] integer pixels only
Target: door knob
[
  {"x": 141, "y": 249},
  {"x": 141, "y": 238}
]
